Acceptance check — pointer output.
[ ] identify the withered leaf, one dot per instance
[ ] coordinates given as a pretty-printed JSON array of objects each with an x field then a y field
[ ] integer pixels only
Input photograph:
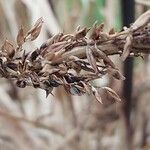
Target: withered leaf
[
  {"x": 9, "y": 48},
  {"x": 127, "y": 47},
  {"x": 20, "y": 37},
  {"x": 97, "y": 95},
  {"x": 112, "y": 93},
  {"x": 34, "y": 32},
  {"x": 115, "y": 73},
  {"x": 91, "y": 59}
]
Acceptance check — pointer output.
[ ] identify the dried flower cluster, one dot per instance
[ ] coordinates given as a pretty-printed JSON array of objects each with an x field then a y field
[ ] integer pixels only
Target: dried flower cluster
[{"x": 73, "y": 60}]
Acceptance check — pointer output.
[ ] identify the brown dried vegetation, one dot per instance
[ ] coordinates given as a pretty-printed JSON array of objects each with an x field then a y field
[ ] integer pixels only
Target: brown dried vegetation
[{"x": 73, "y": 60}]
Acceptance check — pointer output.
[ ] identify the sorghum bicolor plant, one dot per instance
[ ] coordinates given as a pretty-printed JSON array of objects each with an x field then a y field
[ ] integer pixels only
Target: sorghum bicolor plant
[{"x": 73, "y": 60}]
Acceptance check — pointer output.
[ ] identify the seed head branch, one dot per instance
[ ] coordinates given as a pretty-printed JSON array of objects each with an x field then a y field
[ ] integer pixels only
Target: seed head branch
[{"x": 73, "y": 60}]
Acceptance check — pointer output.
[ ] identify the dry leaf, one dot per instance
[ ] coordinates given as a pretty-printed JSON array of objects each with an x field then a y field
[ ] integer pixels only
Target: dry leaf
[
  {"x": 91, "y": 59},
  {"x": 112, "y": 93}
]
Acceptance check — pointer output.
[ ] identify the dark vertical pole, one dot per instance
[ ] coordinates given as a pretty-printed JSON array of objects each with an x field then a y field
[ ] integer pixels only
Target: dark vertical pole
[{"x": 128, "y": 18}]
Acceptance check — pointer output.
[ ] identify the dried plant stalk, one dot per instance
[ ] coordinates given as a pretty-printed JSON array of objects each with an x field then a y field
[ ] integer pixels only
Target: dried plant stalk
[{"x": 72, "y": 60}]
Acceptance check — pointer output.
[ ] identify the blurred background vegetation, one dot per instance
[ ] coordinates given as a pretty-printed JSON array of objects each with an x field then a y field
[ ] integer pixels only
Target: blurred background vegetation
[{"x": 30, "y": 121}]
